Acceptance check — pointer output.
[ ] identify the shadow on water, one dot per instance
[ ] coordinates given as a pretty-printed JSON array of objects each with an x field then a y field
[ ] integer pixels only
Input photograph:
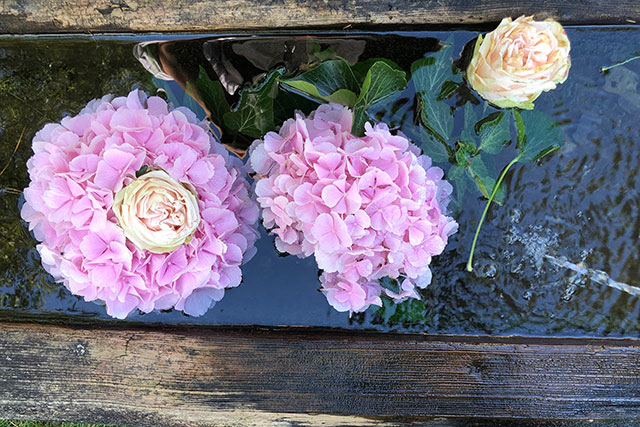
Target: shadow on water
[{"x": 578, "y": 207}]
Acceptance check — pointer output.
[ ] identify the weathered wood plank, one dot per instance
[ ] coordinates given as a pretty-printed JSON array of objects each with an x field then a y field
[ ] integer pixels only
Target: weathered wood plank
[
  {"x": 37, "y": 16},
  {"x": 144, "y": 376}
]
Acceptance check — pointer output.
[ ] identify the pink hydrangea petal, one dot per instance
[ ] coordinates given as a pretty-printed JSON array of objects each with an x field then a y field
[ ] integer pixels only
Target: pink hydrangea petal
[
  {"x": 366, "y": 207},
  {"x": 202, "y": 300}
]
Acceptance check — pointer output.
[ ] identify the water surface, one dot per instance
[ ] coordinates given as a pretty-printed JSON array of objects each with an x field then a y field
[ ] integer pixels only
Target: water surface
[{"x": 580, "y": 203}]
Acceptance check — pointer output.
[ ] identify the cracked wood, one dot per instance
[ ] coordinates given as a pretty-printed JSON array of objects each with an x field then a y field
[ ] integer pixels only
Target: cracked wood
[
  {"x": 52, "y": 16},
  {"x": 203, "y": 376}
]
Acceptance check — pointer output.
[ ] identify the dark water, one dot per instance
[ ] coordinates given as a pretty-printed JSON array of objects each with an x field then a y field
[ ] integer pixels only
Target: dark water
[{"x": 580, "y": 203}]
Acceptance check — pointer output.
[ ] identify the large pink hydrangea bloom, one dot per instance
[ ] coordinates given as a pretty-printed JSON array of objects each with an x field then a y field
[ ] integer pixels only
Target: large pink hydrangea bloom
[
  {"x": 367, "y": 208},
  {"x": 80, "y": 163}
]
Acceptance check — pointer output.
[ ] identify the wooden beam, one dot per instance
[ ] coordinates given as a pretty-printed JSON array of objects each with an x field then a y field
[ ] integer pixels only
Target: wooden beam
[
  {"x": 53, "y": 16},
  {"x": 202, "y": 376}
]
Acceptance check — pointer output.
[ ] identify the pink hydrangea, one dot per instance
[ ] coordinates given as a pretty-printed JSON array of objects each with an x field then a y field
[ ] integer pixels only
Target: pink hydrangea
[
  {"x": 367, "y": 208},
  {"x": 80, "y": 164}
]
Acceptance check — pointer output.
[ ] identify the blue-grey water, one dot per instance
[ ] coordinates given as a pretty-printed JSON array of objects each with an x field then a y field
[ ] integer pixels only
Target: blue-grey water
[{"x": 579, "y": 206}]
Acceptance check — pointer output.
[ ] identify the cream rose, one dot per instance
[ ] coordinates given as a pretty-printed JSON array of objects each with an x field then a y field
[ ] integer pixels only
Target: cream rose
[
  {"x": 156, "y": 212},
  {"x": 516, "y": 62}
]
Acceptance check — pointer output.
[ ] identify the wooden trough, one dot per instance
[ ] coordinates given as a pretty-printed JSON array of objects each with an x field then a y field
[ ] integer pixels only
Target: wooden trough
[{"x": 132, "y": 374}]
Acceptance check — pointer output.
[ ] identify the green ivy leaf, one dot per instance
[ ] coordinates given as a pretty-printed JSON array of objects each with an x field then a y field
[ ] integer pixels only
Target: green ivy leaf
[
  {"x": 430, "y": 73},
  {"x": 437, "y": 116},
  {"x": 343, "y": 97},
  {"x": 287, "y": 103},
  {"x": 253, "y": 116},
  {"x": 361, "y": 68},
  {"x": 468, "y": 133},
  {"x": 484, "y": 178},
  {"x": 517, "y": 118},
  {"x": 542, "y": 135},
  {"x": 360, "y": 117},
  {"x": 409, "y": 312},
  {"x": 433, "y": 78},
  {"x": 388, "y": 309},
  {"x": 494, "y": 134},
  {"x": 315, "y": 49},
  {"x": 429, "y": 144},
  {"x": 324, "y": 80},
  {"x": 391, "y": 284},
  {"x": 448, "y": 88},
  {"x": 144, "y": 169},
  {"x": 213, "y": 96},
  {"x": 464, "y": 153},
  {"x": 380, "y": 82},
  {"x": 462, "y": 180}
]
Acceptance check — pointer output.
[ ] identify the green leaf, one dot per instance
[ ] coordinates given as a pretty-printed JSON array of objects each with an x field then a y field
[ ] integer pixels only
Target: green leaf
[
  {"x": 542, "y": 135},
  {"x": 343, "y": 97},
  {"x": 448, "y": 88},
  {"x": 437, "y": 116},
  {"x": 463, "y": 181},
  {"x": 306, "y": 88},
  {"x": 253, "y": 116},
  {"x": 464, "y": 153},
  {"x": 484, "y": 179},
  {"x": 212, "y": 94},
  {"x": 144, "y": 169},
  {"x": 315, "y": 49},
  {"x": 468, "y": 131},
  {"x": 517, "y": 118},
  {"x": 360, "y": 117},
  {"x": 430, "y": 73},
  {"x": 390, "y": 284},
  {"x": 429, "y": 144},
  {"x": 325, "y": 79},
  {"x": 409, "y": 312},
  {"x": 361, "y": 68},
  {"x": 287, "y": 103},
  {"x": 433, "y": 79},
  {"x": 381, "y": 81},
  {"x": 388, "y": 309},
  {"x": 494, "y": 134}
]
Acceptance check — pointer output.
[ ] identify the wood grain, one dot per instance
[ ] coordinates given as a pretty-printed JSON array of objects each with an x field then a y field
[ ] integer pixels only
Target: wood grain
[
  {"x": 188, "y": 376},
  {"x": 52, "y": 16}
]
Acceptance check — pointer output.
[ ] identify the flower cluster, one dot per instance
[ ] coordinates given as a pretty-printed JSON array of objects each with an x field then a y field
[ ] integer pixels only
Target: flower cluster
[
  {"x": 516, "y": 62},
  {"x": 193, "y": 209},
  {"x": 367, "y": 207}
]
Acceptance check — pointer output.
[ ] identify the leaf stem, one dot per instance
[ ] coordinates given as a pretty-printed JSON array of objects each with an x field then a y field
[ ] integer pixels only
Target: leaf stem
[
  {"x": 486, "y": 209},
  {"x": 603, "y": 69}
]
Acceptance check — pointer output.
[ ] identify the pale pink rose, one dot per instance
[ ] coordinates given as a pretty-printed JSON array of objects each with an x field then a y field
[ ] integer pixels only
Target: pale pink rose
[
  {"x": 157, "y": 213},
  {"x": 516, "y": 62}
]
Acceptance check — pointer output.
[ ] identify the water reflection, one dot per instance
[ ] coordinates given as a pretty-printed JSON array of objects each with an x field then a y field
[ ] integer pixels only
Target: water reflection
[
  {"x": 40, "y": 82},
  {"x": 238, "y": 62}
]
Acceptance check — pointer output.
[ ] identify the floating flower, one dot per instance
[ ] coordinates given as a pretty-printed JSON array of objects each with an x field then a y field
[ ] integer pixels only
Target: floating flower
[
  {"x": 367, "y": 208},
  {"x": 173, "y": 237},
  {"x": 156, "y": 213},
  {"x": 516, "y": 62}
]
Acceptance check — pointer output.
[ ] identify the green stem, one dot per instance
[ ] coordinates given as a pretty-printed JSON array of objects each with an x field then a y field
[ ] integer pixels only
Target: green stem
[
  {"x": 486, "y": 209},
  {"x": 603, "y": 69}
]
